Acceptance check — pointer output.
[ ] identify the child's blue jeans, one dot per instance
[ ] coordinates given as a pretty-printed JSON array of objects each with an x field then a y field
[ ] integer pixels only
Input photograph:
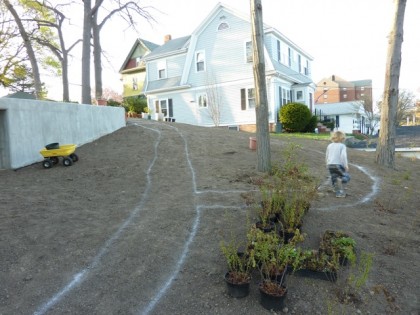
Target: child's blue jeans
[{"x": 338, "y": 171}]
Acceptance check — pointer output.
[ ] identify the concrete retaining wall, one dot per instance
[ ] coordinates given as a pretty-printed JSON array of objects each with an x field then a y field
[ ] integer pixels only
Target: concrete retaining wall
[{"x": 26, "y": 126}]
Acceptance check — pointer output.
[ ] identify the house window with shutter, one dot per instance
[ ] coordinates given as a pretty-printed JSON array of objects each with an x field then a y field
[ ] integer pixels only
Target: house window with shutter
[
  {"x": 135, "y": 86},
  {"x": 200, "y": 61},
  {"x": 248, "y": 52},
  {"x": 247, "y": 98},
  {"x": 202, "y": 100}
]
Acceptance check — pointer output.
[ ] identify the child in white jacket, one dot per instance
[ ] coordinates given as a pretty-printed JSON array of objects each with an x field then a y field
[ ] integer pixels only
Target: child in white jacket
[{"x": 337, "y": 165}]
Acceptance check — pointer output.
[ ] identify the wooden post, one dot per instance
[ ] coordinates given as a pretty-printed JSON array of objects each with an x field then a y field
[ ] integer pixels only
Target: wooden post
[{"x": 261, "y": 102}]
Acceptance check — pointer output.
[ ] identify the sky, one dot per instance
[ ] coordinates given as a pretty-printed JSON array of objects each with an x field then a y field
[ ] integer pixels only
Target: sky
[{"x": 347, "y": 38}]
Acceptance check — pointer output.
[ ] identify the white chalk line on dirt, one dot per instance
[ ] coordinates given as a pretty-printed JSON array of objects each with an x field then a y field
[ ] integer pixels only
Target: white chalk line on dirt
[
  {"x": 368, "y": 197},
  {"x": 80, "y": 277},
  {"x": 155, "y": 300},
  {"x": 198, "y": 208}
]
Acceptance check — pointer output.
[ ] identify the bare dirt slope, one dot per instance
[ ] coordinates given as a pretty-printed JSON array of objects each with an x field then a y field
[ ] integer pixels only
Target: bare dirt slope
[{"x": 134, "y": 227}]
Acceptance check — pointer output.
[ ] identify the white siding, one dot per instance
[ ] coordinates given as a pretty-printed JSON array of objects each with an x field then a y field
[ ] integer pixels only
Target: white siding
[
  {"x": 174, "y": 67},
  {"x": 225, "y": 52}
]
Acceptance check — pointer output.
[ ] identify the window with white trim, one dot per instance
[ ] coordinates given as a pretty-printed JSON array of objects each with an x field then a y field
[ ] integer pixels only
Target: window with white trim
[
  {"x": 299, "y": 95},
  {"x": 278, "y": 51},
  {"x": 202, "y": 100},
  {"x": 161, "y": 69},
  {"x": 200, "y": 61},
  {"x": 248, "y": 52},
  {"x": 285, "y": 96},
  {"x": 164, "y": 106},
  {"x": 247, "y": 98}
]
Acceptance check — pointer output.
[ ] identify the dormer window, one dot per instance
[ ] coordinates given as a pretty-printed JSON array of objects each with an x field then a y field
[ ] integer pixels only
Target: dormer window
[
  {"x": 200, "y": 61},
  {"x": 223, "y": 26},
  {"x": 162, "y": 70}
]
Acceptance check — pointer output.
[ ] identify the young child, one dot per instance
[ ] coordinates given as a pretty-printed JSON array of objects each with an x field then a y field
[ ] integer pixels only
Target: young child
[{"x": 337, "y": 165}]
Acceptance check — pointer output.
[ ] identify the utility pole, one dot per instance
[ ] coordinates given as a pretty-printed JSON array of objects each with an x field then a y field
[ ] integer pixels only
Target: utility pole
[
  {"x": 261, "y": 101},
  {"x": 385, "y": 151}
]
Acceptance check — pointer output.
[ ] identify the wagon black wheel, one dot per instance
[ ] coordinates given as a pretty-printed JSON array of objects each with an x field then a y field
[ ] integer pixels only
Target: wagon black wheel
[
  {"x": 74, "y": 157},
  {"x": 47, "y": 164},
  {"x": 54, "y": 160},
  {"x": 67, "y": 161}
]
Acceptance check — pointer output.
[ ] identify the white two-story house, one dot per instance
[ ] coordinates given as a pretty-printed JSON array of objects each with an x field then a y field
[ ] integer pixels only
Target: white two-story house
[{"x": 207, "y": 79}]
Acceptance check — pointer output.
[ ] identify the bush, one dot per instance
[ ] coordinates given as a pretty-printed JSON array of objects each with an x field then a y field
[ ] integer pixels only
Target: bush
[
  {"x": 310, "y": 127},
  {"x": 135, "y": 104},
  {"x": 295, "y": 117}
]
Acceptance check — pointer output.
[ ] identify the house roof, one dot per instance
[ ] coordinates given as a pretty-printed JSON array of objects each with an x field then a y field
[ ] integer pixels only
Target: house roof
[
  {"x": 291, "y": 74},
  {"x": 164, "y": 84},
  {"x": 145, "y": 43},
  {"x": 21, "y": 95},
  {"x": 170, "y": 47},
  {"x": 182, "y": 44},
  {"x": 362, "y": 82},
  {"x": 341, "y": 108}
]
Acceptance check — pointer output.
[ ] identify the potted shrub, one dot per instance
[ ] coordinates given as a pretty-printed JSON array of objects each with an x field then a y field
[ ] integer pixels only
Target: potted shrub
[
  {"x": 268, "y": 253},
  {"x": 265, "y": 211},
  {"x": 337, "y": 243},
  {"x": 238, "y": 276},
  {"x": 274, "y": 261},
  {"x": 318, "y": 265}
]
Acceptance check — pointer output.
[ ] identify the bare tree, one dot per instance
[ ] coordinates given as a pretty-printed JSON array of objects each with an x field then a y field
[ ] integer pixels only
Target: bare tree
[
  {"x": 87, "y": 27},
  {"x": 385, "y": 151},
  {"x": 60, "y": 51},
  {"x": 368, "y": 110},
  {"x": 129, "y": 12},
  {"x": 214, "y": 101},
  {"x": 29, "y": 49},
  {"x": 261, "y": 107},
  {"x": 406, "y": 104}
]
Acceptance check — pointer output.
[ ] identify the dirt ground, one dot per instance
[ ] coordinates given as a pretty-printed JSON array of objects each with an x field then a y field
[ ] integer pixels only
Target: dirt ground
[{"x": 134, "y": 227}]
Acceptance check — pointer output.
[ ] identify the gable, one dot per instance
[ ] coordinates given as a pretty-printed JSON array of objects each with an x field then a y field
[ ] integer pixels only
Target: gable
[{"x": 135, "y": 57}]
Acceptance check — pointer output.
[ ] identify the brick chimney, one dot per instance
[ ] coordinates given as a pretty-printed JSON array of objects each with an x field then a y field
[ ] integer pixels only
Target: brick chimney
[{"x": 167, "y": 38}]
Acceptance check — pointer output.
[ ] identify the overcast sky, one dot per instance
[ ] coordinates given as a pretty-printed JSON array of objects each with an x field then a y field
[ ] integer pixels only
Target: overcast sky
[{"x": 347, "y": 38}]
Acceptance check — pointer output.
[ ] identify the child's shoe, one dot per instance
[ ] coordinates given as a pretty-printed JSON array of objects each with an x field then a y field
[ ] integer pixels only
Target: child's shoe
[{"x": 340, "y": 194}]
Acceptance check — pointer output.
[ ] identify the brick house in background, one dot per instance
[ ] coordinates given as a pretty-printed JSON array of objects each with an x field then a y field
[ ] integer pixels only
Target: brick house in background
[{"x": 335, "y": 90}]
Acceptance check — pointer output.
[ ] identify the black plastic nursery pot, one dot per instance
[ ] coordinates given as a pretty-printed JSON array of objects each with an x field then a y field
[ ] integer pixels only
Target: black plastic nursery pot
[
  {"x": 237, "y": 290},
  {"x": 271, "y": 301},
  {"x": 314, "y": 274}
]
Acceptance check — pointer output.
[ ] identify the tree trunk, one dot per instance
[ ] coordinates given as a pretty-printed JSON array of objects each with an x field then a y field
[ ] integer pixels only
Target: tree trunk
[
  {"x": 29, "y": 50},
  {"x": 261, "y": 106},
  {"x": 97, "y": 60},
  {"x": 87, "y": 26},
  {"x": 385, "y": 152}
]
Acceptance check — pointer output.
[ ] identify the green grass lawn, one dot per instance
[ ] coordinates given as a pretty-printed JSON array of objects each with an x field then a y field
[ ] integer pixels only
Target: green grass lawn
[{"x": 313, "y": 136}]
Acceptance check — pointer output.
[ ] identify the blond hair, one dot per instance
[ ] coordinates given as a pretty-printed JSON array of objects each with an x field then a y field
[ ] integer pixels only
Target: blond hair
[{"x": 338, "y": 136}]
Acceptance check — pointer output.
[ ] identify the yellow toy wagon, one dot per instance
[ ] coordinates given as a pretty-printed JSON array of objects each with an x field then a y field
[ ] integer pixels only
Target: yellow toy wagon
[{"x": 53, "y": 151}]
